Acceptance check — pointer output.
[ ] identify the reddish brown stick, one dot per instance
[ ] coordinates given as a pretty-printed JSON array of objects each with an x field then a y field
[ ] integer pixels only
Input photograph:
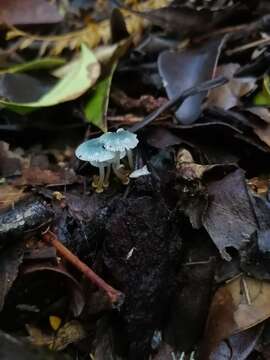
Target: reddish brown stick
[{"x": 115, "y": 296}]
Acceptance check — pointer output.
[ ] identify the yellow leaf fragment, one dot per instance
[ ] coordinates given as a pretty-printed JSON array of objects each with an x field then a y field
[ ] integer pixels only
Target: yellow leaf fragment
[{"x": 55, "y": 322}]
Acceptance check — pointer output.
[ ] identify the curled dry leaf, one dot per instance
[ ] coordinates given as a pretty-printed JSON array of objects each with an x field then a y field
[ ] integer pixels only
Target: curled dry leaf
[
  {"x": 76, "y": 294},
  {"x": 236, "y": 306}
]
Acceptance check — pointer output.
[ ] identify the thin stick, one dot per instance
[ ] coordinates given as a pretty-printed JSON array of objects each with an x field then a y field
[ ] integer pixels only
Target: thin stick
[
  {"x": 179, "y": 99},
  {"x": 115, "y": 296},
  {"x": 248, "y": 46}
]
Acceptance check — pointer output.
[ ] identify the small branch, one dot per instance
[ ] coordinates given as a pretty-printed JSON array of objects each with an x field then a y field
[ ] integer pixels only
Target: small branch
[
  {"x": 248, "y": 46},
  {"x": 115, "y": 296},
  {"x": 179, "y": 99}
]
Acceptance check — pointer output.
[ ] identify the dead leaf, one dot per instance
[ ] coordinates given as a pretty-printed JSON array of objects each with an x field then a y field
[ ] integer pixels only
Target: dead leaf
[
  {"x": 259, "y": 185},
  {"x": 182, "y": 70},
  {"x": 76, "y": 294},
  {"x": 261, "y": 125},
  {"x": 69, "y": 333},
  {"x": 162, "y": 138},
  {"x": 9, "y": 195},
  {"x": 92, "y": 34},
  {"x": 36, "y": 176},
  {"x": 229, "y": 218},
  {"x": 238, "y": 346},
  {"x": 237, "y": 306},
  {"x": 164, "y": 353},
  {"x": 228, "y": 95},
  {"x": 177, "y": 19},
  {"x": 10, "y": 162},
  {"x": 10, "y": 260},
  {"x": 145, "y": 102},
  {"x": 15, "y": 349},
  {"x": 220, "y": 323},
  {"x": 28, "y": 12}
]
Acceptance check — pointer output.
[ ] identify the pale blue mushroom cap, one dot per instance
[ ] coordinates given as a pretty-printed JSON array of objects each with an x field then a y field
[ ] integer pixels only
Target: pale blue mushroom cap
[
  {"x": 119, "y": 141},
  {"x": 94, "y": 152}
]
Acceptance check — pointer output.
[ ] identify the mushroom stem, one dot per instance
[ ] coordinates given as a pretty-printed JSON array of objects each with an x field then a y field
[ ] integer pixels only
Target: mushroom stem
[
  {"x": 117, "y": 159},
  {"x": 107, "y": 177},
  {"x": 99, "y": 188},
  {"x": 130, "y": 159},
  {"x": 122, "y": 175}
]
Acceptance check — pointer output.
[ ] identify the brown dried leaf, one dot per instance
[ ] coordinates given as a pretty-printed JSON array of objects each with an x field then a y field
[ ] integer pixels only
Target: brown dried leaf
[
  {"x": 76, "y": 294},
  {"x": 237, "y": 306}
]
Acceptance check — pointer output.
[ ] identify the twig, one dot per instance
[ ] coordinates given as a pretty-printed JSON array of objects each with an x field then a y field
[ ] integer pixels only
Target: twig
[
  {"x": 248, "y": 46},
  {"x": 115, "y": 296},
  {"x": 222, "y": 31},
  {"x": 179, "y": 99}
]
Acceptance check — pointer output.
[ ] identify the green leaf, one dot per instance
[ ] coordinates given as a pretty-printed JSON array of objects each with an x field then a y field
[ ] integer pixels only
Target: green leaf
[
  {"x": 37, "y": 64},
  {"x": 81, "y": 76},
  {"x": 97, "y": 106},
  {"x": 263, "y": 97}
]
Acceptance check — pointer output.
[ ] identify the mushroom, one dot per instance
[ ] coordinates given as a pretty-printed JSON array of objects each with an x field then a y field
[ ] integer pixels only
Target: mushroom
[
  {"x": 119, "y": 142},
  {"x": 94, "y": 152},
  {"x": 107, "y": 151}
]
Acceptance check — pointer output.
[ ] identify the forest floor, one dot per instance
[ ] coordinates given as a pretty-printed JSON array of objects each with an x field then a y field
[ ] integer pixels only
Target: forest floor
[{"x": 134, "y": 180}]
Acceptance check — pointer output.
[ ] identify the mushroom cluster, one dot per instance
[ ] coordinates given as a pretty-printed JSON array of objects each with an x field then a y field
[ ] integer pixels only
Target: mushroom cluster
[{"x": 105, "y": 153}]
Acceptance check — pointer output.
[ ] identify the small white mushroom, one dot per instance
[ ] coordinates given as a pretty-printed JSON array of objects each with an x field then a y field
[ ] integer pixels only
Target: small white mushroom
[
  {"x": 119, "y": 142},
  {"x": 94, "y": 152},
  {"x": 106, "y": 152}
]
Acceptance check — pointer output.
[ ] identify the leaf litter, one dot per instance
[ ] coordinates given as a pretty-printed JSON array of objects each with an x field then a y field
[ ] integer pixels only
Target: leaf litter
[{"x": 171, "y": 259}]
